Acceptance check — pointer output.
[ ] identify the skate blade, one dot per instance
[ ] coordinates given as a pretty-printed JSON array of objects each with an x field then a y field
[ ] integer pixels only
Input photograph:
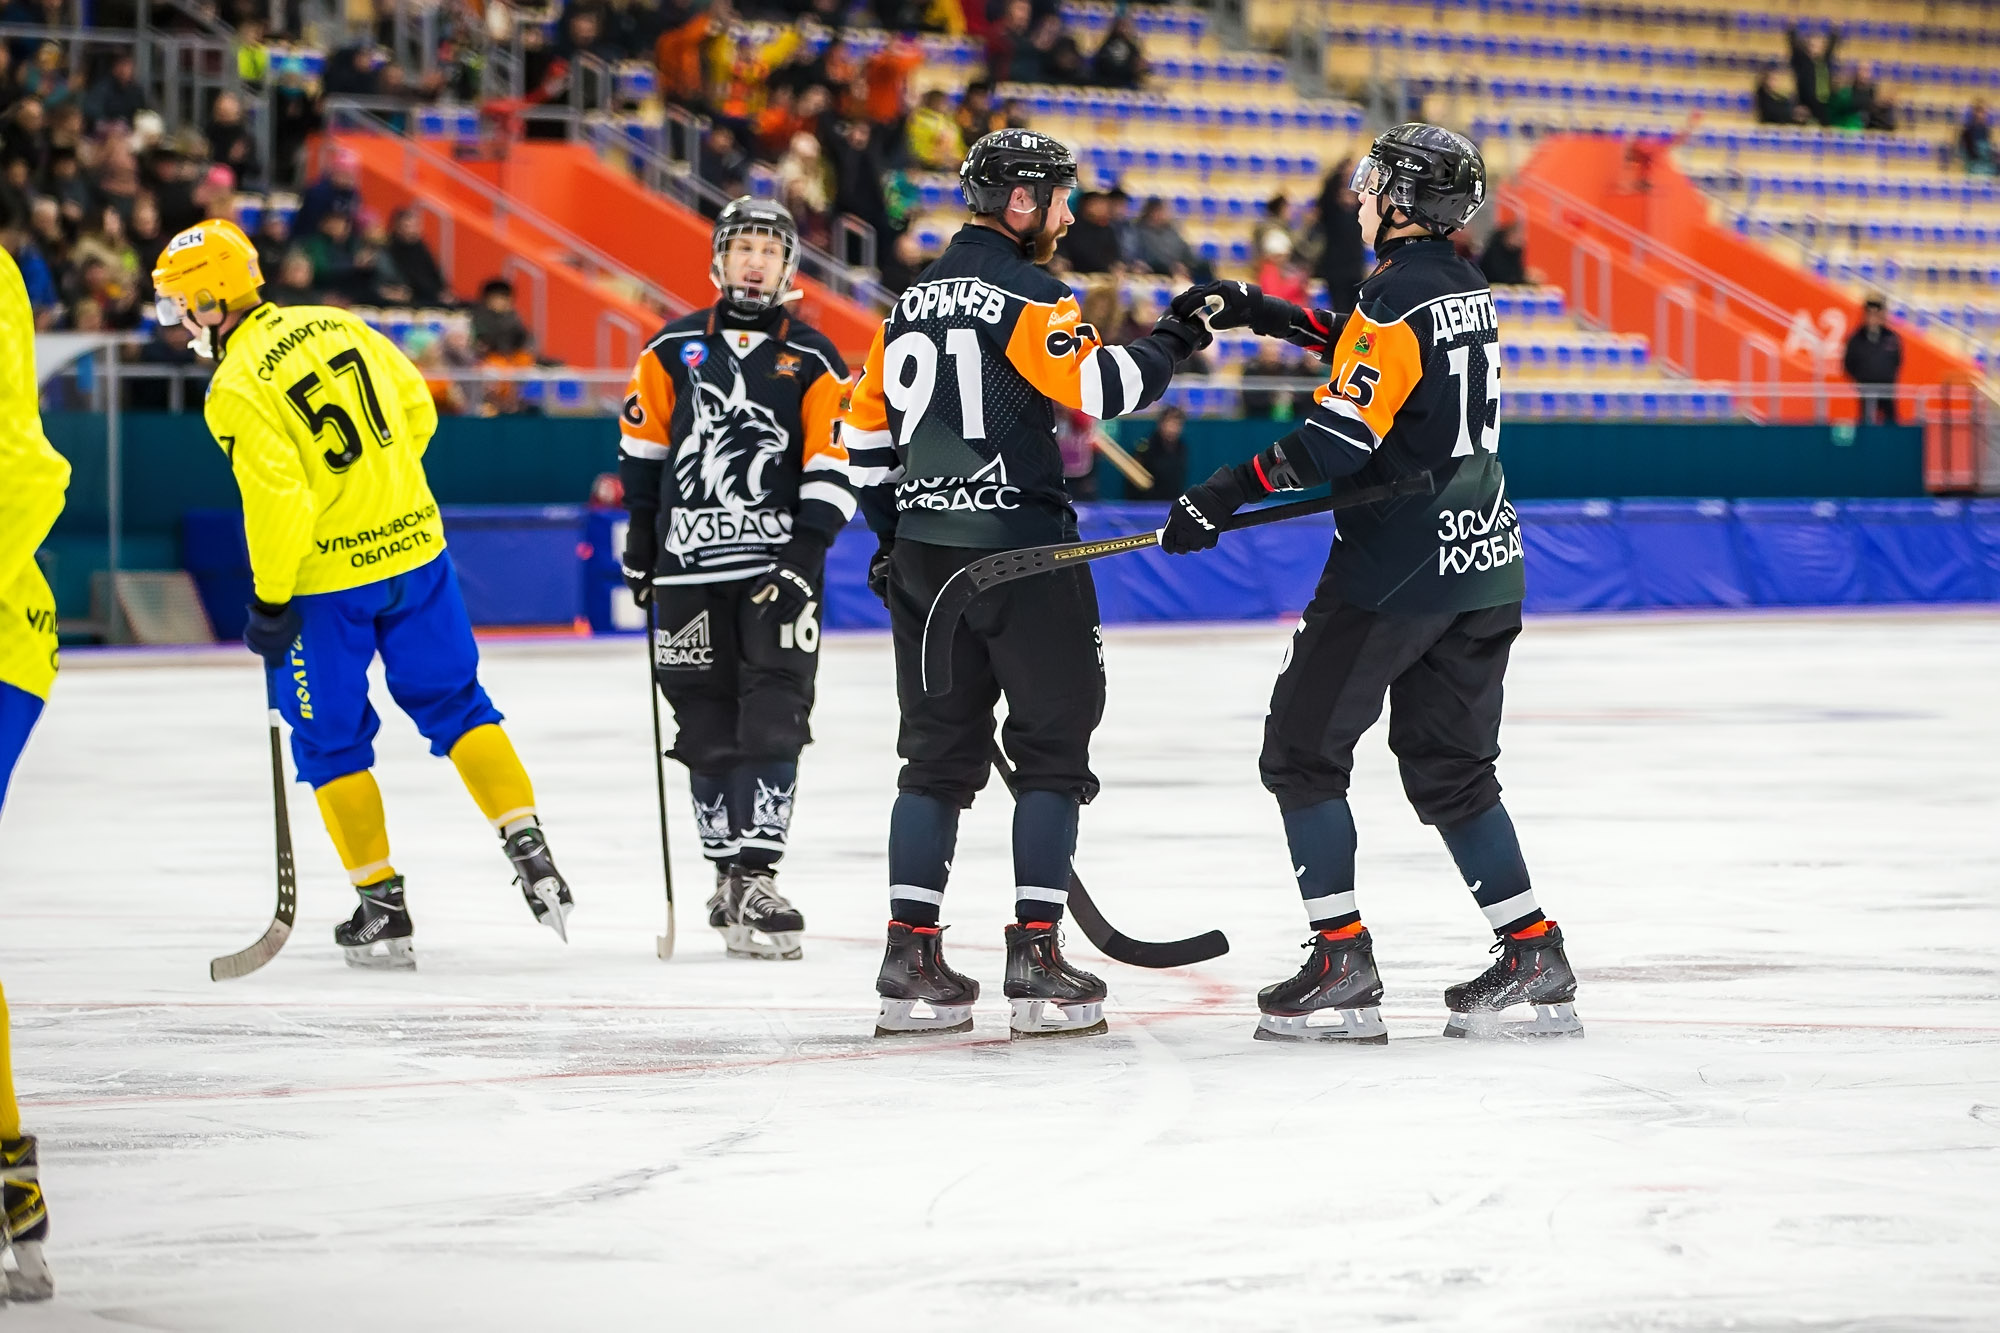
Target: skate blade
[
  {"x": 743, "y": 942},
  {"x": 1351, "y": 1027},
  {"x": 899, "y": 1018},
  {"x": 1046, "y": 1018},
  {"x": 393, "y": 956},
  {"x": 549, "y": 908},
  {"x": 1550, "y": 1020},
  {"x": 31, "y": 1280}
]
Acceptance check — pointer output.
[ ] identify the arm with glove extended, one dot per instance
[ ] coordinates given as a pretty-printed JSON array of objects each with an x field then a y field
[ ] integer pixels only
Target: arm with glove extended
[
  {"x": 1375, "y": 367},
  {"x": 643, "y": 451},
  {"x": 1068, "y": 361},
  {"x": 826, "y": 500},
  {"x": 873, "y": 465},
  {"x": 1244, "y": 305}
]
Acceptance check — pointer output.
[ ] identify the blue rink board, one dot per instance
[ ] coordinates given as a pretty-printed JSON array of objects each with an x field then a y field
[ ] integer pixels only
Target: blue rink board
[{"x": 550, "y": 565}]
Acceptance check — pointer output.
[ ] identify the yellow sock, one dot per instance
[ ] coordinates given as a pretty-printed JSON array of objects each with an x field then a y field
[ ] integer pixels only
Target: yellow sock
[
  {"x": 352, "y": 809},
  {"x": 10, "y": 1113},
  {"x": 493, "y": 774}
]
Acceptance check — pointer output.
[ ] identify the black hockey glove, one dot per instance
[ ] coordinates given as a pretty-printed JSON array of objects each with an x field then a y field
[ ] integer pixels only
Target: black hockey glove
[
  {"x": 642, "y": 550},
  {"x": 782, "y": 593},
  {"x": 1195, "y": 522},
  {"x": 1244, "y": 306},
  {"x": 878, "y": 569},
  {"x": 1189, "y": 335},
  {"x": 271, "y": 631}
]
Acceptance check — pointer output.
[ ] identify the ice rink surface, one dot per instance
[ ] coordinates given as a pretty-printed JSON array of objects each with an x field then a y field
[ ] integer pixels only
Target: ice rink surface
[{"x": 1771, "y": 842}]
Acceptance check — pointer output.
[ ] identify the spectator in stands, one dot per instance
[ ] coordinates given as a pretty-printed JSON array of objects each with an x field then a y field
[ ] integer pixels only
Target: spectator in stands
[
  {"x": 1880, "y": 107},
  {"x": 722, "y": 164},
  {"x": 1271, "y": 402},
  {"x": 1812, "y": 69},
  {"x": 858, "y": 172},
  {"x": 1090, "y": 245},
  {"x": 887, "y": 75},
  {"x": 36, "y": 276},
  {"x": 296, "y": 117},
  {"x": 903, "y": 262},
  {"x": 1277, "y": 273},
  {"x": 24, "y": 134},
  {"x": 1874, "y": 361},
  {"x": 803, "y": 174},
  {"x": 1773, "y": 107},
  {"x": 1162, "y": 248},
  {"x": 294, "y": 285},
  {"x": 1076, "y": 439},
  {"x": 1503, "y": 261},
  {"x": 68, "y": 186},
  {"x": 1034, "y": 59},
  {"x": 229, "y": 140},
  {"x": 336, "y": 191},
  {"x": 1270, "y": 219},
  {"x": 273, "y": 239},
  {"x": 1066, "y": 64},
  {"x": 497, "y": 328},
  {"x": 253, "y": 58},
  {"x": 48, "y": 79},
  {"x": 1164, "y": 454},
  {"x": 414, "y": 263},
  {"x": 1341, "y": 250},
  {"x": 1975, "y": 141},
  {"x": 1124, "y": 225},
  {"x": 330, "y": 246},
  {"x": 1007, "y": 40},
  {"x": 1119, "y": 61},
  {"x": 935, "y": 142},
  {"x": 372, "y": 278},
  {"x": 17, "y": 190},
  {"x": 105, "y": 242},
  {"x": 149, "y": 238},
  {"x": 976, "y": 114},
  {"x": 116, "y": 98}
]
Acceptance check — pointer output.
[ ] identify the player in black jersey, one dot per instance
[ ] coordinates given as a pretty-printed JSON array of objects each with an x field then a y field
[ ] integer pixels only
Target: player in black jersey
[
  {"x": 1420, "y": 599},
  {"x": 737, "y": 485},
  {"x": 951, "y": 441}
]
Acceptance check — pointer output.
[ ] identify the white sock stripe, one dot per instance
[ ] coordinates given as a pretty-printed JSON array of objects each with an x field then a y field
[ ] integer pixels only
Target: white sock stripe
[
  {"x": 511, "y": 816},
  {"x": 763, "y": 844},
  {"x": 910, "y": 893},
  {"x": 1030, "y": 893},
  {"x": 1331, "y": 905},
  {"x": 1520, "y": 905},
  {"x": 361, "y": 874}
]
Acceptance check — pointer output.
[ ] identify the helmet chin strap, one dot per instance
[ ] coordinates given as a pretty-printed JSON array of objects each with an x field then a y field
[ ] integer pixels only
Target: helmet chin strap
[{"x": 1028, "y": 240}]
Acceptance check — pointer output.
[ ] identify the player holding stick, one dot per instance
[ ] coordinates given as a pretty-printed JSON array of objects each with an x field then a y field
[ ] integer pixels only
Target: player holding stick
[
  {"x": 1421, "y": 598},
  {"x": 325, "y": 423},
  {"x": 951, "y": 440}
]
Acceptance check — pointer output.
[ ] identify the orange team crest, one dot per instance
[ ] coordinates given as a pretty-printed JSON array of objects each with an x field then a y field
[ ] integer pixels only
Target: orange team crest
[
  {"x": 1364, "y": 344},
  {"x": 788, "y": 365}
]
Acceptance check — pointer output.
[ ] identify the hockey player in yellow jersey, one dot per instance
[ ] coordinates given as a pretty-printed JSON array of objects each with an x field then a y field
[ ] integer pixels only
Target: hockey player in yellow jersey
[
  {"x": 325, "y": 423},
  {"x": 32, "y": 479}
]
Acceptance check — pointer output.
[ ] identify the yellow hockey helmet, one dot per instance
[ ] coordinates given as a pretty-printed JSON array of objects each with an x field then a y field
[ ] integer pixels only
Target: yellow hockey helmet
[{"x": 212, "y": 266}]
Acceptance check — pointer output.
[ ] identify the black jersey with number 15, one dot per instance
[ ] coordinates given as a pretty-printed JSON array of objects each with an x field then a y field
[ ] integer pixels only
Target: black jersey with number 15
[
  {"x": 1415, "y": 385},
  {"x": 951, "y": 428}
]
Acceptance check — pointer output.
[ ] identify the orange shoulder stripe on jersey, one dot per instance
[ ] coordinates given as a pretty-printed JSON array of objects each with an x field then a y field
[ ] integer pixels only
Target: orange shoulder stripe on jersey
[
  {"x": 818, "y": 410},
  {"x": 865, "y": 408},
  {"x": 1375, "y": 369},
  {"x": 1051, "y": 346},
  {"x": 649, "y": 403}
]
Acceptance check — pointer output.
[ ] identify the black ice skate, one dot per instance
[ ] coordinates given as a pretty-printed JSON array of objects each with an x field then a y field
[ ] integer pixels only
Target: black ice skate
[
  {"x": 1049, "y": 997},
  {"x": 379, "y": 934},
  {"x": 759, "y": 922},
  {"x": 718, "y": 902},
  {"x": 541, "y": 883},
  {"x": 1337, "y": 996},
  {"x": 1532, "y": 972},
  {"x": 24, "y": 1225},
  {"x": 920, "y": 993}
]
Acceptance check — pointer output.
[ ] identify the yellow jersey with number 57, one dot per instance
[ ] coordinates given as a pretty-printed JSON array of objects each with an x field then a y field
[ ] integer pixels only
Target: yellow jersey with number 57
[{"x": 325, "y": 423}]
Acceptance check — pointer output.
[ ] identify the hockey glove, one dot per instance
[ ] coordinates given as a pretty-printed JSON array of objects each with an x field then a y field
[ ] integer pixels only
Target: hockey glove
[
  {"x": 1188, "y": 336},
  {"x": 782, "y": 593},
  {"x": 642, "y": 550},
  {"x": 878, "y": 569},
  {"x": 271, "y": 631},
  {"x": 1195, "y": 523},
  {"x": 1244, "y": 305}
]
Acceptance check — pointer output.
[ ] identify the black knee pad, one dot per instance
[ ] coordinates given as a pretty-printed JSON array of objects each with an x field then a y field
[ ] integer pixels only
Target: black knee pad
[{"x": 773, "y": 732}]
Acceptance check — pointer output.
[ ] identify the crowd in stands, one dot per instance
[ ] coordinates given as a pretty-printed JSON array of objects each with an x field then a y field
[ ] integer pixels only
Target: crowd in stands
[{"x": 1825, "y": 91}]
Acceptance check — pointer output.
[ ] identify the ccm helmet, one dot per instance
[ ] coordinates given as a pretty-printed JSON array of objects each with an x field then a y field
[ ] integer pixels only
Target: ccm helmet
[
  {"x": 1006, "y": 158},
  {"x": 749, "y": 216},
  {"x": 210, "y": 268},
  {"x": 1434, "y": 176}
]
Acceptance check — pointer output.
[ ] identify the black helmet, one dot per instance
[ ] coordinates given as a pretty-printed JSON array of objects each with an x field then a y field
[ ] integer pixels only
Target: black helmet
[
  {"x": 754, "y": 217},
  {"x": 1006, "y": 158},
  {"x": 1433, "y": 175}
]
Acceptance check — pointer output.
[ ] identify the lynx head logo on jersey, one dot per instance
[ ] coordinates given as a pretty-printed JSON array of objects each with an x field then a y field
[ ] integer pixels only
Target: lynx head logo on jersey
[{"x": 733, "y": 449}]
